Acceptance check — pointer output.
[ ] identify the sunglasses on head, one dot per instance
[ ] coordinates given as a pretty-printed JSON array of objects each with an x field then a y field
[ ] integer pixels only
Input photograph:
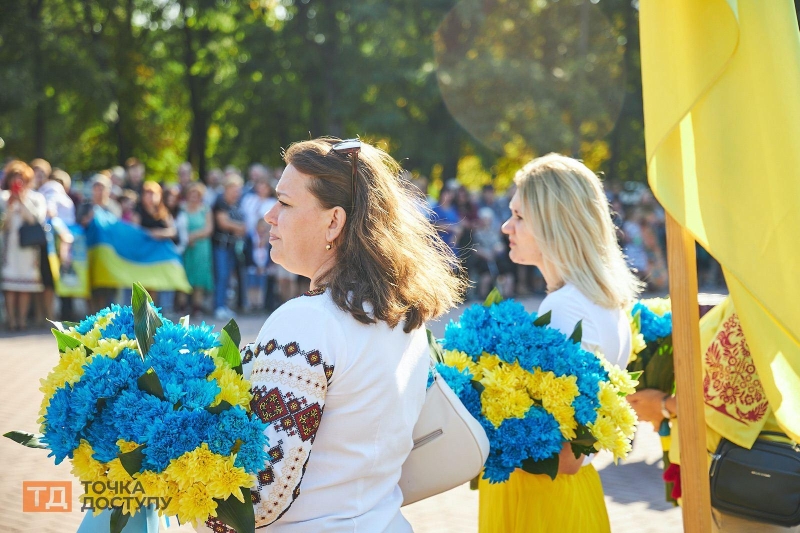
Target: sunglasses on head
[{"x": 348, "y": 147}]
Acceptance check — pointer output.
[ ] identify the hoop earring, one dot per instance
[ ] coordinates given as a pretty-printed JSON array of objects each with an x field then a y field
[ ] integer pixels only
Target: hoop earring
[{"x": 328, "y": 246}]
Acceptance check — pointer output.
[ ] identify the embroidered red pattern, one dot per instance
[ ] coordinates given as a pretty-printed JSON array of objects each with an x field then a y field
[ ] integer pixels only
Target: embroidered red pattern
[{"x": 730, "y": 381}]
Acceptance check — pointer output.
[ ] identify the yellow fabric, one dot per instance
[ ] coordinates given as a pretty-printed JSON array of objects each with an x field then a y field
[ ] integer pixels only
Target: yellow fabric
[
  {"x": 535, "y": 503},
  {"x": 718, "y": 332},
  {"x": 720, "y": 82},
  {"x": 107, "y": 269}
]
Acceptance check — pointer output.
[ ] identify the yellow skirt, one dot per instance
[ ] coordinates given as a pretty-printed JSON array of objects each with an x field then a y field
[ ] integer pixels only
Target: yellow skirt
[{"x": 535, "y": 503}]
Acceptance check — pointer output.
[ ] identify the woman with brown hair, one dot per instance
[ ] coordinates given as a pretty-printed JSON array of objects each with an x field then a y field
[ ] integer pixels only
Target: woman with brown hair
[
  {"x": 21, "y": 275},
  {"x": 353, "y": 346}
]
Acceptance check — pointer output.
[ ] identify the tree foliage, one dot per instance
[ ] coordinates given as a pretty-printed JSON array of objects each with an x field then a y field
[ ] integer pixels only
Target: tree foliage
[{"x": 470, "y": 88}]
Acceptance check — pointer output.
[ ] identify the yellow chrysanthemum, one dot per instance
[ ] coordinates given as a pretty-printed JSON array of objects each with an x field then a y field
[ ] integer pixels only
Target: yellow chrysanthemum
[
  {"x": 180, "y": 471},
  {"x": 605, "y": 431},
  {"x": 486, "y": 362},
  {"x": 67, "y": 372},
  {"x": 153, "y": 484},
  {"x": 112, "y": 347},
  {"x": 459, "y": 360},
  {"x": 84, "y": 466},
  {"x": 499, "y": 404},
  {"x": 229, "y": 479},
  {"x": 565, "y": 416},
  {"x": 659, "y": 306},
  {"x": 558, "y": 390},
  {"x": 195, "y": 504},
  {"x": 234, "y": 389},
  {"x": 621, "y": 448},
  {"x": 204, "y": 463},
  {"x": 117, "y": 472},
  {"x": 126, "y": 446}
]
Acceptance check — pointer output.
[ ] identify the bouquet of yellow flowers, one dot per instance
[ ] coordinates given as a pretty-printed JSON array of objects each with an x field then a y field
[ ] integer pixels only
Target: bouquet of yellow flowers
[
  {"x": 532, "y": 388},
  {"x": 159, "y": 409}
]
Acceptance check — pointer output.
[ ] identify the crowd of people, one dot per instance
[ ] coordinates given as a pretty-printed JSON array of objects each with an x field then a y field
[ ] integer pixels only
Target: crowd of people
[{"x": 217, "y": 226}]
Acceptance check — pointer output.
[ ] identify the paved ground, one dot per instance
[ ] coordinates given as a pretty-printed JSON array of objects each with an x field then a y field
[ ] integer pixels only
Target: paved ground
[{"x": 634, "y": 492}]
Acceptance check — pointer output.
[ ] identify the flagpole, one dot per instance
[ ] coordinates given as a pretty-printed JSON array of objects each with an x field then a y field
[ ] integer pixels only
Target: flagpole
[{"x": 696, "y": 494}]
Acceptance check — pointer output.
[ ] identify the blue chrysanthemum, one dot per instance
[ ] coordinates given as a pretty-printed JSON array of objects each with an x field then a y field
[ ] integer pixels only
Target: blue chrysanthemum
[{"x": 653, "y": 326}]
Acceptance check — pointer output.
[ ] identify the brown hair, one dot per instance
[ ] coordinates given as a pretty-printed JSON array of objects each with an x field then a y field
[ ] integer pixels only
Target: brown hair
[
  {"x": 389, "y": 255},
  {"x": 161, "y": 211},
  {"x": 17, "y": 169}
]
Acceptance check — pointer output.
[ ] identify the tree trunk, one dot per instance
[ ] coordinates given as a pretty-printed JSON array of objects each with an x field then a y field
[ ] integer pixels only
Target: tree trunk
[
  {"x": 39, "y": 118},
  {"x": 199, "y": 130}
]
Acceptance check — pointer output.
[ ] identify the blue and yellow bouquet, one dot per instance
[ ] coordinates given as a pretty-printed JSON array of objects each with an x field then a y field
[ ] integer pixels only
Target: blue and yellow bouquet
[
  {"x": 651, "y": 329},
  {"x": 157, "y": 407},
  {"x": 532, "y": 389}
]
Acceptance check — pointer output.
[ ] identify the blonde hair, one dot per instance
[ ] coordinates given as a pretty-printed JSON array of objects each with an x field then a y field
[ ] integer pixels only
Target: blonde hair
[
  {"x": 565, "y": 208},
  {"x": 388, "y": 254}
]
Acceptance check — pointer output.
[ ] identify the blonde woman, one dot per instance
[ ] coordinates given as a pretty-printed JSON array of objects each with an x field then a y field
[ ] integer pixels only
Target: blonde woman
[
  {"x": 340, "y": 372},
  {"x": 561, "y": 223}
]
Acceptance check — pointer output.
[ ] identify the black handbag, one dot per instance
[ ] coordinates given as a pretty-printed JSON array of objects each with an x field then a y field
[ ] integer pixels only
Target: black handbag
[
  {"x": 32, "y": 235},
  {"x": 761, "y": 484}
]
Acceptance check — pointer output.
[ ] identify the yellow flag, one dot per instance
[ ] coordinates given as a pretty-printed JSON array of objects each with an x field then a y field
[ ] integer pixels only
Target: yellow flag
[{"x": 721, "y": 81}]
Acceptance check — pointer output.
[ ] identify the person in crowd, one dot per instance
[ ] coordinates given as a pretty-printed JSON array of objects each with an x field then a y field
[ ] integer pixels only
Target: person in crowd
[
  {"x": 738, "y": 408},
  {"x": 127, "y": 203},
  {"x": 257, "y": 271},
  {"x": 101, "y": 195},
  {"x": 21, "y": 275},
  {"x": 561, "y": 223},
  {"x": 468, "y": 220},
  {"x": 444, "y": 216},
  {"x": 499, "y": 206},
  {"x": 256, "y": 204},
  {"x": 633, "y": 245},
  {"x": 228, "y": 241},
  {"x": 257, "y": 172},
  {"x": 378, "y": 273},
  {"x": 214, "y": 179},
  {"x": 61, "y": 215},
  {"x": 153, "y": 216},
  {"x": 197, "y": 258},
  {"x": 173, "y": 202},
  {"x": 41, "y": 173},
  {"x": 490, "y": 264},
  {"x": 657, "y": 279},
  {"x": 185, "y": 177},
  {"x": 135, "y": 171}
]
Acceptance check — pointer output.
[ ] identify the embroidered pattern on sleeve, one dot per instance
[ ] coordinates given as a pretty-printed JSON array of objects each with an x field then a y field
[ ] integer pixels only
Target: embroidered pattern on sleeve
[{"x": 289, "y": 387}]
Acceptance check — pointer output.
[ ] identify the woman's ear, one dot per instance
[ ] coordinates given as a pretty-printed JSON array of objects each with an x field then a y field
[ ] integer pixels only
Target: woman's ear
[{"x": 336, "y": 225}]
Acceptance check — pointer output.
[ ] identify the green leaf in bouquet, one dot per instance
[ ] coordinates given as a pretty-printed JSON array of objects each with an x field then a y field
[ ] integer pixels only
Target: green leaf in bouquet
[
  {"x": 478, "y": 386},
  {"x": 238, "y": 515},
  {"x": 118, "y": 520},
  {"x": 132, "y": 460},
  {"x": 436, "y": 349},
  {"x": 229, "y": 351},
  {"x": 580, "y": 449},
  {"x": 65, "y": 342},
  {"x": 577, "y": 333},
  {"x": 494, "y": 297},
  {"x": 660, "y": 370},
  {"x": 184, "y": 321},
  {"x": 232, "y": 329},
  {"x": 636, "y": 376},
  {"x": 145, "y": 318},
  {"x": 545, "y": 466},
  {"x": 149, "y": 382},
  {"x": 220, "y": 407},
  {"x": 26, "y": 439},
  {"x": 543, "y": 320},
  {"x": 63, "y": 325},
  {"x": 583, "y": 437}
]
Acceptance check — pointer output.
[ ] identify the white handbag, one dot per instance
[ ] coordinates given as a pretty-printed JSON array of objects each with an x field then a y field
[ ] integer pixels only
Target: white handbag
[{"x": 450, "y": 446}]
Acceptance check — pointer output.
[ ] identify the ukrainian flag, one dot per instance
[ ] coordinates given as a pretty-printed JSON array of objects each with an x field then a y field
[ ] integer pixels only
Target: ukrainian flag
[
  {"x": 721, "y": 82},
  {"x": 121, "y": 254}
]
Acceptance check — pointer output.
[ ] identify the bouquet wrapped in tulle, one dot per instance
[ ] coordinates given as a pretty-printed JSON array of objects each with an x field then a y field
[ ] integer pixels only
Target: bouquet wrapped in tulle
[
  {"x": 533, "y": 389},
  {"x": 156, "y": 407}
]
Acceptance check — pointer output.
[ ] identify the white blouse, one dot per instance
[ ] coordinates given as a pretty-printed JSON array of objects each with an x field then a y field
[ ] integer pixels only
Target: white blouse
[
  {"x": 605, "y": 329},
  {"x": 336, "y": 472}
]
